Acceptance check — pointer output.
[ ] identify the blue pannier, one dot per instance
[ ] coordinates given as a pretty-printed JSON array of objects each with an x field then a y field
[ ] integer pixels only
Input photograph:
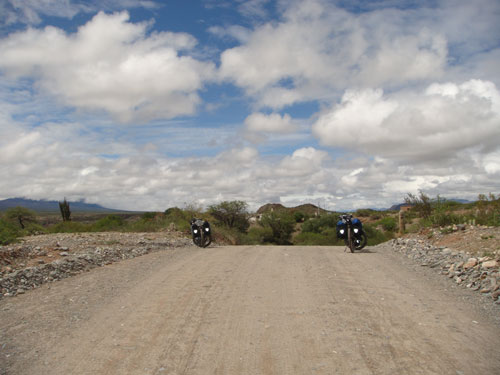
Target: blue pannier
[{"x": 356, "y": 223}]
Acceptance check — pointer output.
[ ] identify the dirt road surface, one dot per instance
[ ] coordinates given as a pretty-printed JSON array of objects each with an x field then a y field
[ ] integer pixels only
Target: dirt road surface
[{"x": 248, "y": 310}]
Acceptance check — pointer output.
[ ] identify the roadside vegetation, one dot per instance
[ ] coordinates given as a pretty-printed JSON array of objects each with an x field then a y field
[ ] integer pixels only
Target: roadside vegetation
[
  {"x": 232, "y": 223},
  {"x": 439, "y": 212}
]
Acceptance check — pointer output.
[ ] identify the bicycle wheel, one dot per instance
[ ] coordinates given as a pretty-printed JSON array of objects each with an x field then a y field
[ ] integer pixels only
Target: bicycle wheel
[
  {"x": 362, "y": 242},
  {"x": 350, "y": 241}
]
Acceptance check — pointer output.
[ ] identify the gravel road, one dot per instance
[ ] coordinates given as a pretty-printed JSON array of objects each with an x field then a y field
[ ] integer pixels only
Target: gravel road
[{"x": 249, "y": 310}]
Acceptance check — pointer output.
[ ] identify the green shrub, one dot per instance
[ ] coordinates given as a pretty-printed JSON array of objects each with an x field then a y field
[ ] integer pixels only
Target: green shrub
[
  {"x": 149, "y": 215},
  {"x": 144, "y": 225},
  {"x": 318, "y": 225},
  {"x": 281, "y": 225},
  {"x": 178, "y": 217},
  {"x": 20, "y": 216},
  {"x": 488, "y": 210},
  {"x": 442, "y": 219},
  {"x": 488, "y": 218},
  {"x": 69, "y": 227},
  {"x": 257, "y": 236},
  {"x": 375, "y": 236},
  {"x": 8, "y": 232},
  {"x": 108, "y": 223},
  {"x": 17, "y": 222},
  {"x": 34, "y": 228},
  {"x": 299, "y": 217},
  {"x": 364, "y": 212},
  {"x": 174, "y": 211},
  {"x": 420, "y": 204},
  {"x": 311, "y": 226},
  {"x": 388, "y": 223},
  {"x": 149, "y": 222},
  {"x": 232, "y": 214},
  {"x": 227, "y": 236}
]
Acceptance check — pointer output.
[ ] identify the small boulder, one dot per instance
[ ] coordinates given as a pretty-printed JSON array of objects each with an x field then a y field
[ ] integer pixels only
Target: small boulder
[
  {"x": 471, "y": 262},
  {"x": 490, "y": 264}
]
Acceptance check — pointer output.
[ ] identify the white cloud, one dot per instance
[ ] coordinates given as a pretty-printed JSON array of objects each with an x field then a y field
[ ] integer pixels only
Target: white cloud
[
  {"x": 242, "y": 157},
  {"x": 358, "y": 118},
  {"x": 31, "y": 11},
  {"x": 415, "y": 113},
  {"x": 303, "y": 162},
  {"x": 69, "y": 160},
  {"x": 317, "y": 49},
  {"x": 236, "y": 32},
  {"x": 253, "y": 8},
  {"x": 443, "y": 121},
  {"x": 272, "y": 123},
  {"x": 403, "y": 59},
  {"x": 110, "y": 65},
  {"x": 490, "y": 162}
]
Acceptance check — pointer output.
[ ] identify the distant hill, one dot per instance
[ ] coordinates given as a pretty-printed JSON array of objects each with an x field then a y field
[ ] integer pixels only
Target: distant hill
[
  {"x": 271, "y": 207},
  {"x": 51, "y": 206},
  {"x": 397, "y": 207},
  {"x": 307, "y": 209},
  {"x": 458, "y": 200}
]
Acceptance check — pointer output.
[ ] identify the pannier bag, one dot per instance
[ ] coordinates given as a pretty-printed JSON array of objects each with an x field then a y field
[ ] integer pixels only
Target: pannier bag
[
  {"x": 356, "y": 223},
  {"x": 341, "y": 229}
]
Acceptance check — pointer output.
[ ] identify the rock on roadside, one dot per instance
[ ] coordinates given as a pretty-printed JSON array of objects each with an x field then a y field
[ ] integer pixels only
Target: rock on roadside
[
  {"x": 478, "y": 273},
  {"x": 85, "y": 253}
]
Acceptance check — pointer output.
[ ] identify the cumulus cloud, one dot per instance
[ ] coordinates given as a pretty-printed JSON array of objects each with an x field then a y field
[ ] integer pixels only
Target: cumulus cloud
[
  {"x": 491, "y": 163},
  {"x": 31, "y": 11},
  {"x": 302, "y": 162},
  {"x": 70, "y": 160},
  {"x": 110, "y": 65},
  {"x": 439, "y": 123},
  {"x": 275, "y": 130},
  {"x": 42, "y": 163},
  {"x": 272, "y": 123},
  {"x": 318, "y": 48},
  {"x": 253, "y": 8},
  {"x": 236, "y": 32},
  {"x": 408, "y": 95}
]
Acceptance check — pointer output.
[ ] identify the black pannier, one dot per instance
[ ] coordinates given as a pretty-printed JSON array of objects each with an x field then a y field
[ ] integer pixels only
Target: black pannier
[{"x": 341, "y": 230}]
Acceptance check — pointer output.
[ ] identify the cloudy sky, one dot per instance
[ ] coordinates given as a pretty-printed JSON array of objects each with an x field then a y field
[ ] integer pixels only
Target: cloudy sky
[{"x": 144, "y": 104}]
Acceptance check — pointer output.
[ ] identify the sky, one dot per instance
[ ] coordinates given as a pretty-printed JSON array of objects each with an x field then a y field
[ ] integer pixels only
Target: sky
[{"x": 146, "y": 105}]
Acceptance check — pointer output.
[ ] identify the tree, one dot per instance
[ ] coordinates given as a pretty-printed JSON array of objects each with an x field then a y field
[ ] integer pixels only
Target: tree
[
  {"x": 65, "y": 211},
  {"x": 8, "y": 231},
  {"x": 232, "y": 214},
  {"x": 21, "y": 215},
  {"x": 281, "y": 225},
  {"x": 420, "y": 203},
  {"x": 299, "y": 217}
]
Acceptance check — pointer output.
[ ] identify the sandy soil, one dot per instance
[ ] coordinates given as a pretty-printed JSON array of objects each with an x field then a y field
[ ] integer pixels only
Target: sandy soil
[{"x": 249, "y": 310}]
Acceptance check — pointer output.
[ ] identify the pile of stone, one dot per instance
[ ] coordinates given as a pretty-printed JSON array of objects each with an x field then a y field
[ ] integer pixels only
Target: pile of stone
[
  {"x": 478, "y": 273},
  {"x": 57, "y": 262}
]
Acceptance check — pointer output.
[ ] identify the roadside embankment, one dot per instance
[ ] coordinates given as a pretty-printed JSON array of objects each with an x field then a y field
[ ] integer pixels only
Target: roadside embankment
[
  {"x": 469, "y": 268},
  {"x": 47, "y": 258}
]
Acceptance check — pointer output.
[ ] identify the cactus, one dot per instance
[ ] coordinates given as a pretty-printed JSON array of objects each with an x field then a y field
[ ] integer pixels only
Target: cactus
[{"x": 65, "y": 211}]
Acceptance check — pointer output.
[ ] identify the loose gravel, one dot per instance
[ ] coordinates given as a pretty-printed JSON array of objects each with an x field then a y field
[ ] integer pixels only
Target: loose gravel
[{"x": 47, "y": 258}]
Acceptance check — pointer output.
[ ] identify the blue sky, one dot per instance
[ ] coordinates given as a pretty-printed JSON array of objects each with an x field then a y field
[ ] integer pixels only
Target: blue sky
[{"x": 144, "y": 105}]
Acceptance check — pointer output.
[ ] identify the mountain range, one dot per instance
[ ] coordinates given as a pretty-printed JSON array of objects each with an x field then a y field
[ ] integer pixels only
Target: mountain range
[
  {"x": 80, "y": 206},
  {"x": 51, "y": 206}
]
